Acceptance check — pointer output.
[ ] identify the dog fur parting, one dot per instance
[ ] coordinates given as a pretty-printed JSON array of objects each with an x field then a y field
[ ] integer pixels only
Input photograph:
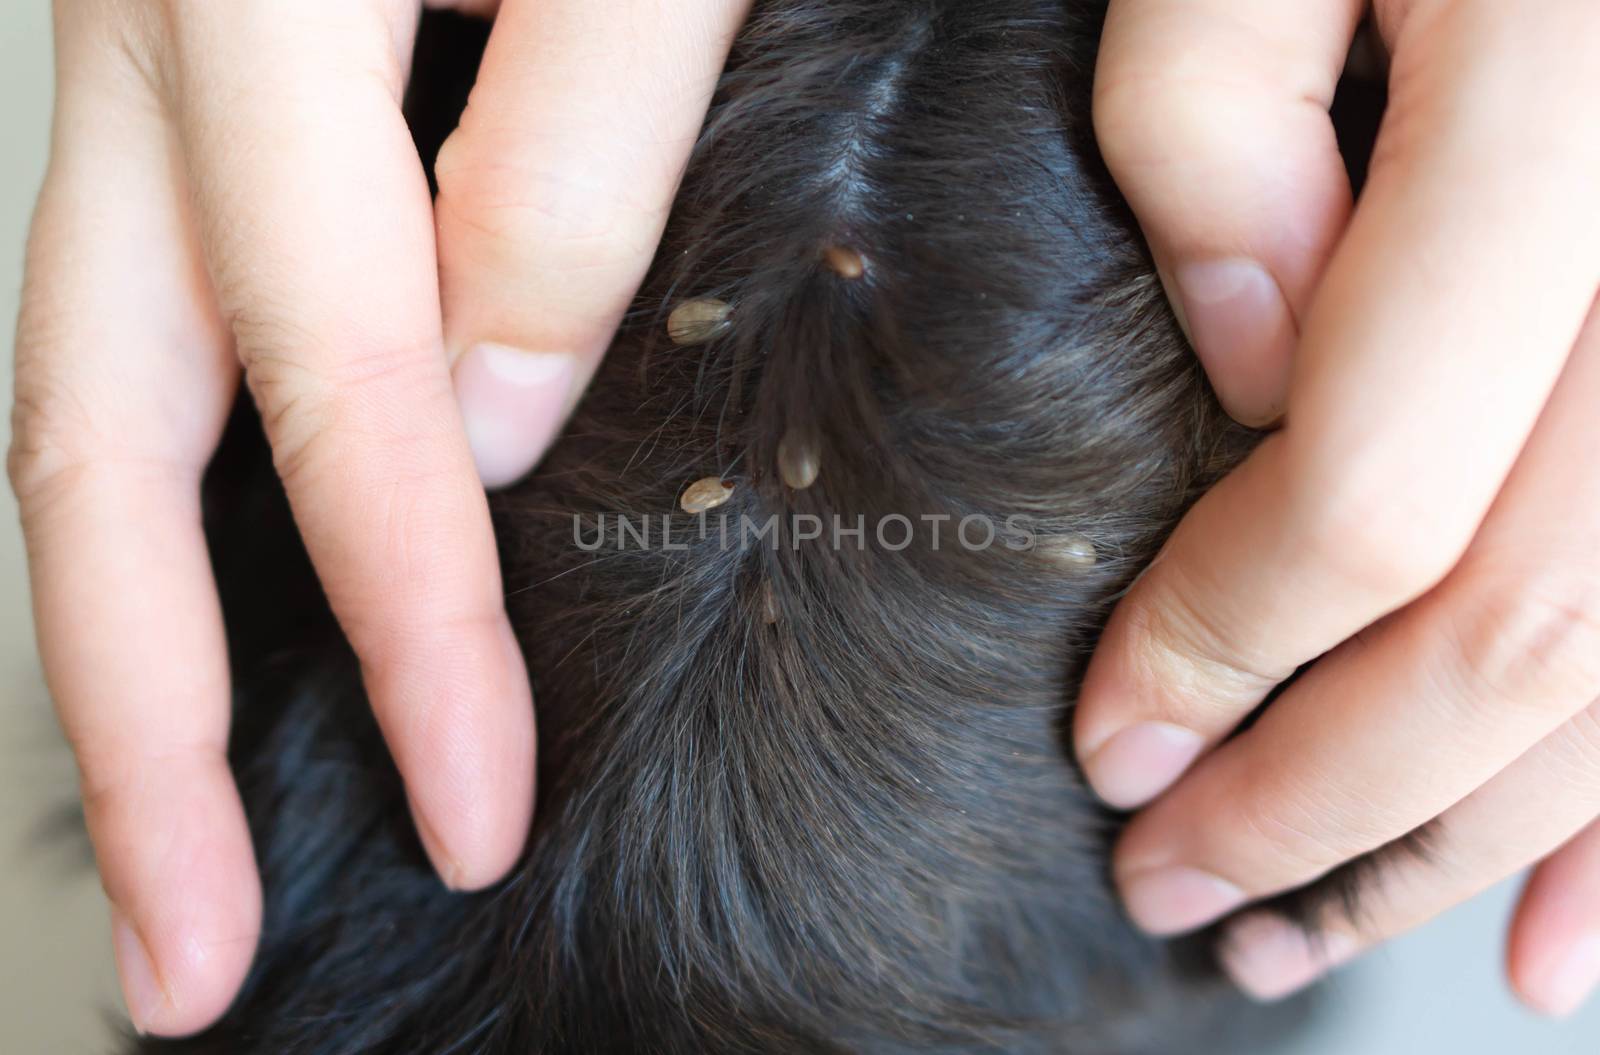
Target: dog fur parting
[{"x": 800, "y": 797}]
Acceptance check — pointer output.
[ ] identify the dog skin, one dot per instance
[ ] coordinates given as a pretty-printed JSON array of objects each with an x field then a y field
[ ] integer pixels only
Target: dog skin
[{"x": 798, "y": 794}]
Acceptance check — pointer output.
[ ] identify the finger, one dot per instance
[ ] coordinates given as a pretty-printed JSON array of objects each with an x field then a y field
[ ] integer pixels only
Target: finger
[
  {"x": 1517, "y": 818},
  {"x": 1503, "y": 652},
  {"x": 553, "y": 194},
  {"x": 317, "y": 226},
  {"x": 124, "y": 379},
  {"x": 1554, "y": 952},
  {"x": 1213, "y": 117},
  {"x": 1407, "y": 412}
]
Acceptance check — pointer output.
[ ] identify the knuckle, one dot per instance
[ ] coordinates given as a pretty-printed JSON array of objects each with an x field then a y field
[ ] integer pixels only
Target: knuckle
[
  {"x": 296, "y": 408},
  {"x": 1576, "y": 752},
  {"x": 318, "y": 397},
  {"x": 1304, "y": 825},
  {"x": 127, "y": 790},
  {"x": 579, "y": 238},
  {"x": 372, "y": 440},
  {"x": 48, "y": 424},
  {"x": 1369, "y": 553},
  {"x": 1534, "y": 641},
  {"x": 1291, "y": 842},
  {"x": 1186, "y": 645},
  {"x": 1158, "y": 101},
  {"x": 522, "y": 201},
  {"x": 53, "y": 438},
  {"x": 75, "y": 429},
  {"x": 419, "y": 628},
  {"x": 115, "y": 774},
  {"x": 106, "y": 774},
  {"x": 1358, "y": 527},
  {"x": 1140, "y": 112}
]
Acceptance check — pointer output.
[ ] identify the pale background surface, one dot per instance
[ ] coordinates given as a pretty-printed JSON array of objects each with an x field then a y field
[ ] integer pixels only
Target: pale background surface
[{"x": 1438, "y": 991}]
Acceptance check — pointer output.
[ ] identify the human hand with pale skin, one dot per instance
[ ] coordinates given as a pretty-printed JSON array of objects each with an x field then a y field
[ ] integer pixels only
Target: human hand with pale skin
[
  {"x": 233, "y": 192},
  {"x": 1426, "y": 516}
]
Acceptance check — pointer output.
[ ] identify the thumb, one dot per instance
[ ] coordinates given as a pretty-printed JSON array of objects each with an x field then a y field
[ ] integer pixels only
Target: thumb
[
  {"x": 553, "y": 194},
  {"x": 1213, "y": 118}
]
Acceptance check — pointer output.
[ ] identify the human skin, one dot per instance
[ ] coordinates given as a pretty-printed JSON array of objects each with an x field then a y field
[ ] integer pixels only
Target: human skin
[
  {"x": 233, "y": 192},
  {"x": 1426, "y": 511}
]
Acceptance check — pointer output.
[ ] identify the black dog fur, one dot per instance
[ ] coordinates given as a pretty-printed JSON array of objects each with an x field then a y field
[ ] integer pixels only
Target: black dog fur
[{"x": 793, "y": 798}]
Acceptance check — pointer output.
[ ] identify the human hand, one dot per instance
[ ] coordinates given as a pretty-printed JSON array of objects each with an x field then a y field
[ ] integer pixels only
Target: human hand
[
  {"x": 1429, "y": 513},
  {"x": 231, "y": 187}
]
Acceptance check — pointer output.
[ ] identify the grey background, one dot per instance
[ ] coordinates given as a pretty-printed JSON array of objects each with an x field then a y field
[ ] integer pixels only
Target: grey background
[{"x": 1438, "y": 990}]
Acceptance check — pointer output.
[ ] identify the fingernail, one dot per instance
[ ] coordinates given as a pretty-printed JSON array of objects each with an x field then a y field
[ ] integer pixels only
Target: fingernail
[
  {"x": 512, "y": 403},
  {"x": 1174, "y": 900},
  {"x": 1141, "y": 762},
  {"x": 1270, "y": 958},
  {"x": 1243, "y": 332},
  {"x": 1565, "y": 984},
  {"x": 445, "y": 863},
  {"x": 141, "y": 987}
]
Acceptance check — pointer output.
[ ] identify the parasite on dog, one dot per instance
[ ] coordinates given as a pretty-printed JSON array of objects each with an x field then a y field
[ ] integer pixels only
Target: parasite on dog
[
  {"x": 798, "y": 463},
  {"x": 844, "y": 262},
  {"x": 698, "y": 321},
  {"x": 1076, "y": 551},
  {"x": 705, "y": 495}
]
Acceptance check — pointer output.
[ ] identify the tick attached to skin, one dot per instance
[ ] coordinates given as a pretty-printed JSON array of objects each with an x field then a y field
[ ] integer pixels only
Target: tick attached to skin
[
  {"x": 705, "y": 495},
  {"x": 698, "y": 321},
  {"x": 1075, "y": 551},
  {"x": 844, "y": 262},
  {"x": 798, "y": 462}
]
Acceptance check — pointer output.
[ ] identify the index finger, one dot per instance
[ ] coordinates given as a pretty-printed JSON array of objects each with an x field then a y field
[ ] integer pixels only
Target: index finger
[
  {"x": 318, "y": 228},
  {"x": 1437, "y": 335},
  {"x": 553, "y": 194}
]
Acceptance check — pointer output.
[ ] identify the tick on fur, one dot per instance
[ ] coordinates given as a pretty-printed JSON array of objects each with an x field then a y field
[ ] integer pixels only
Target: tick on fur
[
  {"x": 844, "y": 262},
  {"x": 698, "y": 321},
  {"x": 798, "y": 463},
  {"x": 1075, "y": 550},
  {"x": 704, "y": 495}
]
